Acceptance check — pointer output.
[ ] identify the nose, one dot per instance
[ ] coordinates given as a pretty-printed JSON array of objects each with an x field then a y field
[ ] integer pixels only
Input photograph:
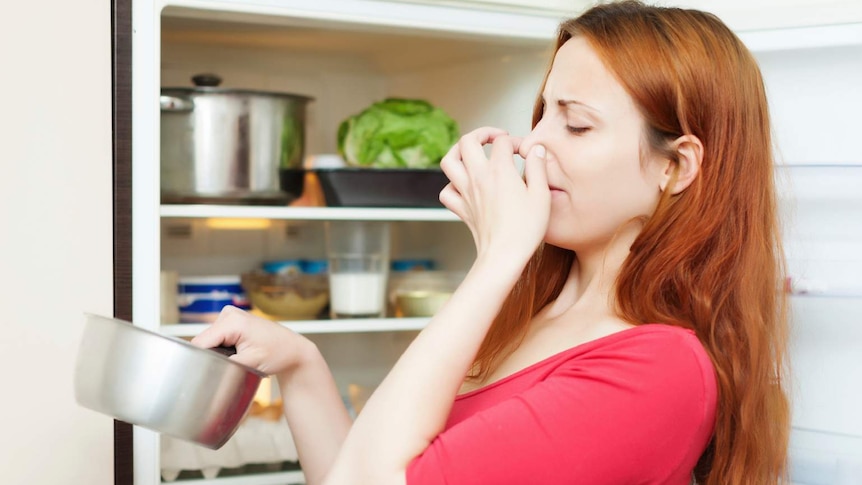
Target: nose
[{"x": 533, "y": 138}]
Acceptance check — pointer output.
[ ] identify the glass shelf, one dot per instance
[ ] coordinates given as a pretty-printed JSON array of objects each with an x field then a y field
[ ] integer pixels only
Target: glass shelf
[
  {"x": 820, "y": 182},
  {"x": 356, "y": 325},
  {"x": 307, "y": 213},
  {"x": 277, "y": 478},
  {"x": 824, "y": 288},
  {"x": 823, "y": 458},
  {"x": 827, "y": 296}
]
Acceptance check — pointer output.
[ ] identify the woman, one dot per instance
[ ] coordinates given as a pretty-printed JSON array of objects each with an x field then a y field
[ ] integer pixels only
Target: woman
[{"x": 623, "y": 321}]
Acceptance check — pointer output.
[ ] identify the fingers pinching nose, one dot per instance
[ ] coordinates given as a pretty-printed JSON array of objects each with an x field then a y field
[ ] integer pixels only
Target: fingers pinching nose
[{"x": 537, "y": 151}]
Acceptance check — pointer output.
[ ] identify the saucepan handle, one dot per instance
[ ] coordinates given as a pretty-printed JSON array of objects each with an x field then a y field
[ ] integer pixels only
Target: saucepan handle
[
  {"x": 226, "y": 351},
  {"x": 175, "y": 104}
]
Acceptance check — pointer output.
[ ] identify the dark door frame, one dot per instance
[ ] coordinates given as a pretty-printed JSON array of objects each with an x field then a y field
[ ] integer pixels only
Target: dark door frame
[{"x": 121, "y": 123}]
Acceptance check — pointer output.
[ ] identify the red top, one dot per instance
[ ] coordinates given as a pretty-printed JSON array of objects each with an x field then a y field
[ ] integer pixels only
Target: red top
[{"x": 633, "y": 407}]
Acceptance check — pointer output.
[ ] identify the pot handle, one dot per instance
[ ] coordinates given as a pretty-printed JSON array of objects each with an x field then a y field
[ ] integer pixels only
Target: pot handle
[
  {"x": 173, "y": 103},
  {"x": 225, "y": 351}
]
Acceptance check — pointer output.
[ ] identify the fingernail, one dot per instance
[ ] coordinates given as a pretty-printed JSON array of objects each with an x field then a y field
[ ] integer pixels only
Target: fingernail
[{"x": 538, "y": 150}]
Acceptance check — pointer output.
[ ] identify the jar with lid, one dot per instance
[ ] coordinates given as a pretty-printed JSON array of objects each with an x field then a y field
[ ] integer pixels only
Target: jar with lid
[{"x": 415, "y": 291}]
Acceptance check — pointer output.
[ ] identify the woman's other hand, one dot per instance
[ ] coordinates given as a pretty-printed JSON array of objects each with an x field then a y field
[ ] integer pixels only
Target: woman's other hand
[
  {"x": 508, "y": 215},
  {"x": 260, "y": 343}
]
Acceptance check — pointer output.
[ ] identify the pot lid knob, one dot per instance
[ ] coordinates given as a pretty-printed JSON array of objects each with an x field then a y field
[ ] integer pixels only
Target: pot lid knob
[{"x": 206, "y": 80}]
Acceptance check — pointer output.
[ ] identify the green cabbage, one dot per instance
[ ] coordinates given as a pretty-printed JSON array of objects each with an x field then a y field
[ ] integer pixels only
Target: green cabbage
[
  {"x": 292, "y": 135},
  {"x": 397, "y": 133}
]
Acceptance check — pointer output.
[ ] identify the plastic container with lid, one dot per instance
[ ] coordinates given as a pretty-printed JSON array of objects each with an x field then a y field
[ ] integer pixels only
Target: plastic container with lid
[
  {"x": 283, "y": 266},
  {"x": 412, "y": 265},
  {"x": 315, "y": 266},
  {"x": 201, "y": 298},
  {"x": 421, "y": 293},
  {"x": 295, "y": 266}
]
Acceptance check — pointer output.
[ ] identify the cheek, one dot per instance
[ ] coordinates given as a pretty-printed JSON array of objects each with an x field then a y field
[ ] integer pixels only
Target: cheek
[
  {"x": 625, "y": 184},
  {"x": 607, "y": 192},
  {"x": 610, "y": 201},
  {"x": 608, "y": 174}
]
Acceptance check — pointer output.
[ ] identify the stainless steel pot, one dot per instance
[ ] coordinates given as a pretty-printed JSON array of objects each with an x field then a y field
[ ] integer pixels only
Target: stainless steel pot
[
  {"x": 230, "y": 145},
  {"x": 162, "y": 383}
]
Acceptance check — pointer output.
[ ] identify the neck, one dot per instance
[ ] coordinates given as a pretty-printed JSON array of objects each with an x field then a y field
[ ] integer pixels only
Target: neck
[{"x": 593, "y": 275}]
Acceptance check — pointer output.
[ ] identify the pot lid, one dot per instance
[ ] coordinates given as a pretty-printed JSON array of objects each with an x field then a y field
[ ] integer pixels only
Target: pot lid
[{"x": 208, "y": 84}]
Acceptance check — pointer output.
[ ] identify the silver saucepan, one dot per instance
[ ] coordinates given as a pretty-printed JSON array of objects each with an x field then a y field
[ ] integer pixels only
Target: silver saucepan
[{"x": 162, "y": 383}]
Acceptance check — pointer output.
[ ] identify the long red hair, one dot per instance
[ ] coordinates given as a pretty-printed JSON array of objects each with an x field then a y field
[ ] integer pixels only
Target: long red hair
[{"x": 709, "y": 258}]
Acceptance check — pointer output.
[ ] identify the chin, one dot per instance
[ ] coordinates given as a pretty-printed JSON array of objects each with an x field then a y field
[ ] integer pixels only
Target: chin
[
  {"x": 559, "y": 241},
  {"x": 573, "y": 238}
]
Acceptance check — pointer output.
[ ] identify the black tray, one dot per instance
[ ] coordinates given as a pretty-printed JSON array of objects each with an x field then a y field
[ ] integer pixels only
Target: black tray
[
  {"x": 292, "y": 181},
  {"x": 380, "y": 187}
]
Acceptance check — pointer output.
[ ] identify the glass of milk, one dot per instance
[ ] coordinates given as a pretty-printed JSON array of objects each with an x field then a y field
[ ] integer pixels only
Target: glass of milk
[{"x": 358, "y": 254}]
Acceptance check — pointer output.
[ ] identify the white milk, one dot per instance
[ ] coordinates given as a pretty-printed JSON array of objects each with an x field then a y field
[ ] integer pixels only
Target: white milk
[{"x": 357, "y": 294}]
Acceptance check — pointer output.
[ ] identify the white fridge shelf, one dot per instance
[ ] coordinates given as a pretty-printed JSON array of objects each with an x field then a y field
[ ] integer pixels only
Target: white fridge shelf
[
  {"x": 822, "y": 458},
  {"x": 357, "y": 325},
  {"x": 279, "y": 478},
  {"x": 821, "y": 183},
  {"x": 306, "y": 213}
]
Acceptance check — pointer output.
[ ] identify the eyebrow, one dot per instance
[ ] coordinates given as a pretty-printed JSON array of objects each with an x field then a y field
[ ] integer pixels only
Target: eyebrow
[{"x": 569, "y": 102}]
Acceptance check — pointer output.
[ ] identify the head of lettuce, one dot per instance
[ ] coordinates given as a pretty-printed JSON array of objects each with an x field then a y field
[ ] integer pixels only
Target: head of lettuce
[{"x": 397, "y": 133}]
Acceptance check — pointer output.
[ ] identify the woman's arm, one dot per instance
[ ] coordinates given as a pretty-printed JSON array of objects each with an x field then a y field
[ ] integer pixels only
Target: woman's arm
[
  {"x": 313, "y": 406},
  {"x": 411, "y": 405},
  {"x": 508, "y": 219},
  {"x": 315, "y": 413}
]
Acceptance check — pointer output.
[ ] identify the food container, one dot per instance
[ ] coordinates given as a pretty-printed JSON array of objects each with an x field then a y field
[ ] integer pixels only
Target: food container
[
  {"x": 231, "y": 145},
  {"x": 284, "y": 266},
  {"x": 421, "y": 293},
  {"x": 420, "y": 303},
  {"x": 315, "y": 266},
  {"x": 202, "y": 298},
  {"x": 379, "y": 187},
  {"x": 399, "y": 265},
  {"x": 287, "y": 296},
  {"x": 295, "y": 266}
]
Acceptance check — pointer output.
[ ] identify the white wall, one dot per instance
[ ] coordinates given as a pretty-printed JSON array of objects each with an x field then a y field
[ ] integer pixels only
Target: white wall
[
  {"x": 507, "y": 104},
  {"x": 56, "y": 242}
]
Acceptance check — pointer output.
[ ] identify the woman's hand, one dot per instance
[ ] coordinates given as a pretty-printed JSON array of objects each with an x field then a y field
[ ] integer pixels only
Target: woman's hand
[
  {"x": 507, "y": 215},
  {"x": 260, "y": 343}
]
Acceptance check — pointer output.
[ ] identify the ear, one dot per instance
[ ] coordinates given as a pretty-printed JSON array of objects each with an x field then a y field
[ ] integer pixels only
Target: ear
[{"x": 689, "y": 155}]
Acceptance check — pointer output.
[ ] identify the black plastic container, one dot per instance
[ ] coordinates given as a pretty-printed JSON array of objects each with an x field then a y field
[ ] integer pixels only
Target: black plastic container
[
  {"x": 379, "y": 187},
  {"x": 292, "y": 182}
]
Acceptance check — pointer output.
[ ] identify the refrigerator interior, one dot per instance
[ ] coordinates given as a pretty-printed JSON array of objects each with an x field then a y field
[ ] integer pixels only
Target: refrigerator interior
[{"x": 815, "y": 104}]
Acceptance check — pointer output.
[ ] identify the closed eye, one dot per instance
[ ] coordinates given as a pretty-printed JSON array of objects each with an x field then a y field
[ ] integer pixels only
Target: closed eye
[{"x": 578, "y": 130}]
